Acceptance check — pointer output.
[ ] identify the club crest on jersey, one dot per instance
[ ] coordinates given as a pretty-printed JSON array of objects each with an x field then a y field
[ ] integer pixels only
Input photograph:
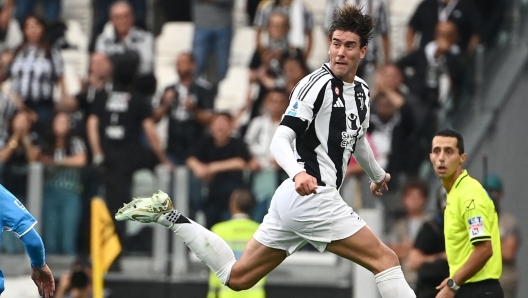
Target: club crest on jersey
[
  {"x": 361, "y": 97},
  {"x": 336, "y": 89}
]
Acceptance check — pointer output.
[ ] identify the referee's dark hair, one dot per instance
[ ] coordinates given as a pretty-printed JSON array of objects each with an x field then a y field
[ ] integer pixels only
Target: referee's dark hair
[
  {"x": 448, "y": 132},
  {"x": 243, "y": 199},
  {"x": 351, "y": 18}
]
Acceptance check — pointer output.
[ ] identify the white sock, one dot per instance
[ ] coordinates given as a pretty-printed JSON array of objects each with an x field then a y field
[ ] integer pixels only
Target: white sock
[
  {"x": 208, "y": 247},
  {"x": 392, "y": 284}
]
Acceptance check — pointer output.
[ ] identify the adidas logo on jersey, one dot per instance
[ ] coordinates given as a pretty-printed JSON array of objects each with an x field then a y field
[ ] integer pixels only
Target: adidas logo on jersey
[{"x": 339, "y": 103}]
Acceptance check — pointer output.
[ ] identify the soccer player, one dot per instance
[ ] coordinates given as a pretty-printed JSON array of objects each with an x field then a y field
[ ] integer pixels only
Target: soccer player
[
  {"x": 15, "y": 218},
  {"x": 237, "y": 232},
  {"x": 327, "y": 118},
  {"x": 471, "y": 228}
]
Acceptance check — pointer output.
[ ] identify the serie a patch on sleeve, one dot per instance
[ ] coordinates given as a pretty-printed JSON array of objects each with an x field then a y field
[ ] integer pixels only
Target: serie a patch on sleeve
[
  {"x": 293, "y": 110},
  {"x": 476, "y": 227}
]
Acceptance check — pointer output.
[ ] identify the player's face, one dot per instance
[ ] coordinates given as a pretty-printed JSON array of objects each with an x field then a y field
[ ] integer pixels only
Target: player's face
[
  {"x": 445, "y": 157},
  {"x": 345, "y": 52}
]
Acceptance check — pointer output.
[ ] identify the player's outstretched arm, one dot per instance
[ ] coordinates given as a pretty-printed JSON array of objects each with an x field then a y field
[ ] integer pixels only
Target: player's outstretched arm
[
  {"x": 283, "y": 153},
  {"x": 40, "y": 273},
  {"x": 365, "y": 158}
]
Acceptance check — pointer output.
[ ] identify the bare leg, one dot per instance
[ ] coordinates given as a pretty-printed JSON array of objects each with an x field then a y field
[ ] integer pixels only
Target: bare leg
[
  {"x": 367, "y": 250},
  {"x": 256, "y": 262}
]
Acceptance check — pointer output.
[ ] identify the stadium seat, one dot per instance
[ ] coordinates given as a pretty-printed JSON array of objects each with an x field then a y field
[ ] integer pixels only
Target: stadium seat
[
  {"x": 72, "y": 81},
  {"x": 242, "y": 46},
  {"x": 76, "y": 36},
  {"x": 165, "y": 75},
  {"x": 319, "y": 53},
  {"x": 175, "y": 37},
  {"x": 233, "y": 89},
  {"x": 76, "y": 59},
  {"x": 80, "y": 11}
]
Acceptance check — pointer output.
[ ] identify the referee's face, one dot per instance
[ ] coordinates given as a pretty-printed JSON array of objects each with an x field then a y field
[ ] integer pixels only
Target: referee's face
[
  {"x": 445, "y": 157},
  {"x": 345, "y": 52}
]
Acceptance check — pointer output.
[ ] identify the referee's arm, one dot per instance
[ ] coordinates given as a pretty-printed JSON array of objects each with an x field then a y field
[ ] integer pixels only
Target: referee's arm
[{"x": 478, "y": 258}]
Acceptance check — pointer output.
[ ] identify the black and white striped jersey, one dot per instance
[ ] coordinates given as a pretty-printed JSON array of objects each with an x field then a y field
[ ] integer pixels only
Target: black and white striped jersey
[
  {"x": 34, "y": 73},
  {"x": 328, "y": 116}
]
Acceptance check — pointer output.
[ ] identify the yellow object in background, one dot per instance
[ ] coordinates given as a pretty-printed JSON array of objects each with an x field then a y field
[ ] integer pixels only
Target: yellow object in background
[{"x": 104, "y": 246}]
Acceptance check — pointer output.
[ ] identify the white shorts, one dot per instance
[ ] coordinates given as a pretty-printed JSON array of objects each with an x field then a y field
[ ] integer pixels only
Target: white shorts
[{"x": 294, "y": 220}]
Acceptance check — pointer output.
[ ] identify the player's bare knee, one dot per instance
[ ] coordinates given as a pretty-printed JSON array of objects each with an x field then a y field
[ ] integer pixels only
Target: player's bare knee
[
  {"x": 390, "y": 259},
  {"x": 385, "y": 258},
  {"x": 240, "y": 283}
]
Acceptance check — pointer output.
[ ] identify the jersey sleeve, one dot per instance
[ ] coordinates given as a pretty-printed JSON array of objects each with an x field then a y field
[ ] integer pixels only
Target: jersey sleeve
[
  {"x": 306, "y": 100},
  {"x": 477, "y": 218},
  {"x": 13, "y": 215},
  {"x": 362, "y": 98}
]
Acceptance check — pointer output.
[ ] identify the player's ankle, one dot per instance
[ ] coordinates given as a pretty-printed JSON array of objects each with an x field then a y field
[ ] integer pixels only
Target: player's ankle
[{"x": 171, "y": 218}]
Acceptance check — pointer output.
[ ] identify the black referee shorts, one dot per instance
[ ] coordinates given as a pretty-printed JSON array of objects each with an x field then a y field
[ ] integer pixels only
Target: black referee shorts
[{"x": 489, "y": 288}]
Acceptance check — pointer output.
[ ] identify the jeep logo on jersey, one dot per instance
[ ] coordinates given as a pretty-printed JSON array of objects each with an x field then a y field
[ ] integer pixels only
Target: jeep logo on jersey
[{"x": 351, "y": 122}]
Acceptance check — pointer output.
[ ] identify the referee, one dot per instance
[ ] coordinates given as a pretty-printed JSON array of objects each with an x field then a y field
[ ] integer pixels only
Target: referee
[{"x": 471, "y": 228}]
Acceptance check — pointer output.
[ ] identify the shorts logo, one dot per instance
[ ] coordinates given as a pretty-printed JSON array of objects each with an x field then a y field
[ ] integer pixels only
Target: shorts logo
[{"x": 476, "y": 226}]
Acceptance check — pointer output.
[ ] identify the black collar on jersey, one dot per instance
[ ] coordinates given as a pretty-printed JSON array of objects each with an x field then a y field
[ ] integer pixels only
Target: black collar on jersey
[{"x": 461, "y": 179}]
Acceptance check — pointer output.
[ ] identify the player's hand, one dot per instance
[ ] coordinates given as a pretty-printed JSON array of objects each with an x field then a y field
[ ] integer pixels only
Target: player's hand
[
  {"x": 375, "y": 188},
  {"x": 445, "y": 291},
  {"x": 305, "y": 184},
  {"x": 43, "y": 279}
]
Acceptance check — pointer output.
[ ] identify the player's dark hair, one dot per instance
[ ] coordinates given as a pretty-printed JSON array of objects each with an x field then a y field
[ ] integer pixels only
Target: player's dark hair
[
  {"x": 351, "y": 18},
  {"x": 416, "y": 184},
  {"x": 448, "y": 132},
  {"x": 243, "y": 199}
]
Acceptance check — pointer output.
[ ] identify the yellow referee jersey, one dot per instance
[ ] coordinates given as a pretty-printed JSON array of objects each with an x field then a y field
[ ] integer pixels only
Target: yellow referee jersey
[
  {"x": 236, "y": 232},
  {"x": 470, "y": 217}
]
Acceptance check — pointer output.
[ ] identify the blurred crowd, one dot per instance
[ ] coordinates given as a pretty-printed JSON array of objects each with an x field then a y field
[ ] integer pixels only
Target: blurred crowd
[{"x": 92, "y": 143}]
